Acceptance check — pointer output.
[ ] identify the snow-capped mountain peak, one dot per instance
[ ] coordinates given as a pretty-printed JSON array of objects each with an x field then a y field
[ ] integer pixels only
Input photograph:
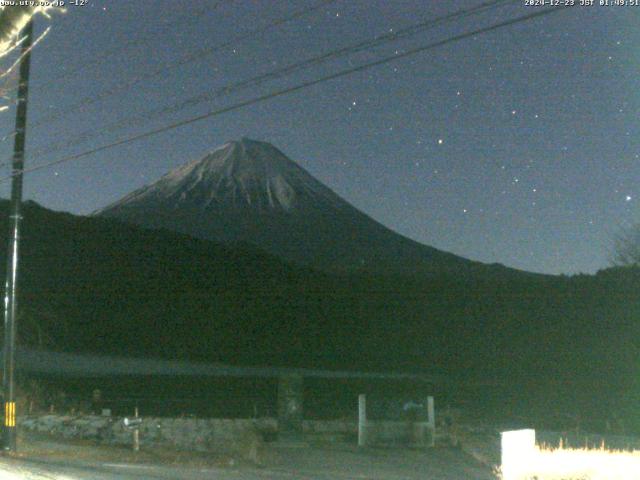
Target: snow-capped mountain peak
[
  {"x": 249, "y": 191},
  {"x": 245, "y": 174}
]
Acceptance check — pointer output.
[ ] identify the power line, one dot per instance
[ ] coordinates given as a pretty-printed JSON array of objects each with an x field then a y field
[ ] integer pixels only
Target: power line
[
  {"x": 136, "y": 42},
  {"x": 133, "y": 42},
  {"x": 184, "y": 60},
  {"x": 296, "y": 88},
  {"x": 86, "y": 135},
  {"x": 194, "y": 56}
]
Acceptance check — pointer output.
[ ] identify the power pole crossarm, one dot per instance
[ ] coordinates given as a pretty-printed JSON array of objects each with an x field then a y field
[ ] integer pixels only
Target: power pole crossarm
[{"x": 12, "y": 21}]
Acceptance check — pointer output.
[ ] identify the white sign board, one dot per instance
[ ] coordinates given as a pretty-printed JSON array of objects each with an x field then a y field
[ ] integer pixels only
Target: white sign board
[{"x": 518, "y": 449}]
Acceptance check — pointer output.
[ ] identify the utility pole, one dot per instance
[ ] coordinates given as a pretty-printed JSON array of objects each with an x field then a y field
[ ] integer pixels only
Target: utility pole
[{"x": 11, "y": 288}]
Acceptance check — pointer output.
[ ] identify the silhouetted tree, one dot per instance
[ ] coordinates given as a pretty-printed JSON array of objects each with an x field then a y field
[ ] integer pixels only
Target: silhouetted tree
[{"x": 626, "y": 247}]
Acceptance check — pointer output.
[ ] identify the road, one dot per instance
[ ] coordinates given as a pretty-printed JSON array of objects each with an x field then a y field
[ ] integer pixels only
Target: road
[{"x": 292, "y": 463}]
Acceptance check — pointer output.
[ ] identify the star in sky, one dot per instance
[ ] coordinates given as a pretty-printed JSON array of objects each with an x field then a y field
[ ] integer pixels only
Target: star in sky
[{"x": 459, "y": 88}]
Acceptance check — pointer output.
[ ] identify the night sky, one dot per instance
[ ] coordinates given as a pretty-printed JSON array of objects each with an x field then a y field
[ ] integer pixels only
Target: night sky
[{"x": 519, "y": 146}]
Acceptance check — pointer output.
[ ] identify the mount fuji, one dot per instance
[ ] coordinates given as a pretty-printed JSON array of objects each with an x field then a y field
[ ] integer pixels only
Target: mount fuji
[{"x": 250, "y": 192}]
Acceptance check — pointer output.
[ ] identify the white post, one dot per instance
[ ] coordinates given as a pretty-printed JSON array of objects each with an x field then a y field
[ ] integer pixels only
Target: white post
[
  {"x": 518, "y": 453},
  {"x": 362, "y": 420},
  {"x": 431, "y": 419},
  {"x": 136, "y": 435}
]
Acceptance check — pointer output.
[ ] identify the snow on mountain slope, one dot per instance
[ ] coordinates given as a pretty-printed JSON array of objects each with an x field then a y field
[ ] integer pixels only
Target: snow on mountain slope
[
  {"x": 249, "y": 191},
  {"x": 239, "y": 175}
]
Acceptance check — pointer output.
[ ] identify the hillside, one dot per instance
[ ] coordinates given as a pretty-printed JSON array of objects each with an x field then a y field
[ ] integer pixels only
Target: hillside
[{"x": 91, "y": 284}]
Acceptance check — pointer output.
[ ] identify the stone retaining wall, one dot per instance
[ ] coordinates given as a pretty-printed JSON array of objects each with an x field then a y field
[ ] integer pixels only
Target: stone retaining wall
[
  {"x": 203, "y": 434},
  {"x": 181, "y": 433}
]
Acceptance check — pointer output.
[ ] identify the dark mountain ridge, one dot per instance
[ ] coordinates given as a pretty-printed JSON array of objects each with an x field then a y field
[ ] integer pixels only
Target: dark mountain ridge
[
  {"x": 91, "y": 284},
  {"x": 101, "y": 285}
]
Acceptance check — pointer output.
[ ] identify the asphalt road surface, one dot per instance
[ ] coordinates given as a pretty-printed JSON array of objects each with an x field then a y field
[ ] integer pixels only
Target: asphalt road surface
[{"x": 303, "y": 463}]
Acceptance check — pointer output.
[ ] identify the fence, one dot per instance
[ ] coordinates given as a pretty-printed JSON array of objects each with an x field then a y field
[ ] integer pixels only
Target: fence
[{"x": 417, "y": 428}]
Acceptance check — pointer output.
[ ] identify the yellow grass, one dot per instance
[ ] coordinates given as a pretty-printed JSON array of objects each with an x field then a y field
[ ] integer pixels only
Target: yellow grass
[{"x": 578, "y": 464}]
